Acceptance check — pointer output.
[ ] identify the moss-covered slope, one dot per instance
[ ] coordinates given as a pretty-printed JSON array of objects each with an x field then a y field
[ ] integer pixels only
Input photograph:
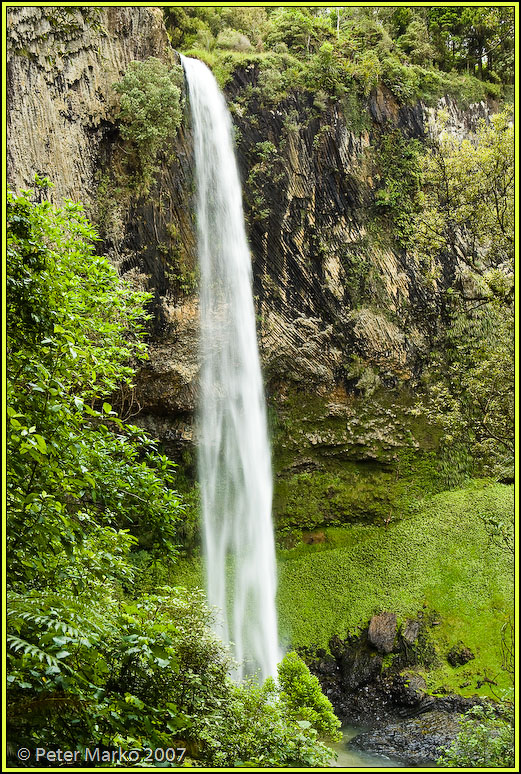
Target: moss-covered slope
[{"x": 440, "y": 558}]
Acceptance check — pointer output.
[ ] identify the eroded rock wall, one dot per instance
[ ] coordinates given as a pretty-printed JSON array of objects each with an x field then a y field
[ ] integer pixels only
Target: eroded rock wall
[
  {"x": 343, "y": 314},
  {"x": 62, "y": 123},
  {"x": 61, "y": 65}
]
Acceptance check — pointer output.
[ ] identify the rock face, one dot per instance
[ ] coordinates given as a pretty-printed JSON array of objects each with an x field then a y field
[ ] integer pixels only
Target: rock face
[
  {"x": 342, "y": 312},
  {"x": 61, "y": 65},
  {"x": 382, "y": 632},
  {"x": 459, "y": 655},
  {"x": 373, "y": 677}
]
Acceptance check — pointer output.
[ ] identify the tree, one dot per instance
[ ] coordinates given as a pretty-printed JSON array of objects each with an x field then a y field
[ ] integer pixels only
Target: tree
[
  {"x": 468, "y": 208},
  {"x": 416, "y": 44},
  {"x": 150, "y": 109},
  {"x": 78, "y": 476},
  {"x": 467, "y": 217},
  {"x": 487, "y": 30},
  {"x": 298, "y": 29}
]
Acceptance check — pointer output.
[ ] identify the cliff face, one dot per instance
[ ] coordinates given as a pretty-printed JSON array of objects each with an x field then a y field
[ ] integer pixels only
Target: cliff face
[
  {"x": 343, "y": 313},
  {"x": 333, "y": 287},
  {"x": 62, "y": 63}
]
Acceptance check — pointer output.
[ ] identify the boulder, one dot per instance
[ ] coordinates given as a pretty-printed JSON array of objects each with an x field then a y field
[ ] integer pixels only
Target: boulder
[
  {"x": 459, "y": 655},
  {"x": 382, "y": 632}
]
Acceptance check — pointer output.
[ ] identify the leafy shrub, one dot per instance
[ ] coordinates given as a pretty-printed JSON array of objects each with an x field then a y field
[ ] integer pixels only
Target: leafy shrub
[
  {"x": 327, "y": 70},
  {"x": 233, "y": 40},
  {"x": 150, "y": 109},
  {"x": 486, "y": 739},
  {"x": 90, "y": 671},
  {"x": 305, "y": 702},
  {"x": 253, "y": 729},
  {"x": 467, "y": 89},
  {"x": 401, "y": 79},
  {"x": 398, "y": 162}
]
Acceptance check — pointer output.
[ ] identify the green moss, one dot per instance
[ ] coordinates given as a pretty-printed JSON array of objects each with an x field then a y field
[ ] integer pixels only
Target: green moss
[
  {"x": 307, "y": 500},
  {"x": 439, "y": 557},
  {"x": 366, "y": 460}
]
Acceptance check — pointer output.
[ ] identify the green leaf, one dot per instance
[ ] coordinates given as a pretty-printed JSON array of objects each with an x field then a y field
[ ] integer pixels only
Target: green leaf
[{"x": 42, "y": 446}]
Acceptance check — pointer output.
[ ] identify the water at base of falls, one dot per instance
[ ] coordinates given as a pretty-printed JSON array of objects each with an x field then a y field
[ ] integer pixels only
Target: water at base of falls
[{"x": 234, "y": 453}]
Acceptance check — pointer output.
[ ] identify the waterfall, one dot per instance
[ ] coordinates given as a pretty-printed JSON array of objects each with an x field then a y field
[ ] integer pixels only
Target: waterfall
[{"x": 234, "y": 453}]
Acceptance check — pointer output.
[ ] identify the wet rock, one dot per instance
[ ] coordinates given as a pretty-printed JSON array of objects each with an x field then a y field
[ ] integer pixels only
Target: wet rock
[
  {"x": 358, "y": 664},
  {"x": 382, "y": 632},
  {"x": 459, "y": 655},
  {"x": 416, "y": 741},
  {"x": 411, "y": 631},
  {"x": 408, "y": 690}
]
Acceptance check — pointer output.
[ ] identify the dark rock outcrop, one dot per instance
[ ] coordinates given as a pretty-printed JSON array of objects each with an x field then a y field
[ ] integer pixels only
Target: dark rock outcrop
[
  {"x": 415, "y": 742},
  {"x": 370, "y": 686},
  {"x": 459, "y": 655}
]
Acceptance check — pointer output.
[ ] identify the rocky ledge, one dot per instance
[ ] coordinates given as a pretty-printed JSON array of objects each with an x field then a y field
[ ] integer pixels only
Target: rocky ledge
[
  {"x": 372, "y": 679},
  {"x": 415, "y": 742}
]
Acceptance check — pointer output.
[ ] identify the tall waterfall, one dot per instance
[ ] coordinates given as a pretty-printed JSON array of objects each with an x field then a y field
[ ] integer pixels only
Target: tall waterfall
[{"x": 234, "y": 452}]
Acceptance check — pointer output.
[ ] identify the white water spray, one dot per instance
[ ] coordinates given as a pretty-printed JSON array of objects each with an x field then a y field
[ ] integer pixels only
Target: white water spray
[{"x": 234, "y": 453}]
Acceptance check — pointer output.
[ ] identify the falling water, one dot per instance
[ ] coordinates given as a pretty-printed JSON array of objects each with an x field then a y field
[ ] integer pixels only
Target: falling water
[{"x": 234, "y": 453}]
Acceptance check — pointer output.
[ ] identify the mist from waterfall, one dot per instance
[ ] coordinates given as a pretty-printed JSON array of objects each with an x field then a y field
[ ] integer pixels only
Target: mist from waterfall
[{"x": 234, "y": 453}]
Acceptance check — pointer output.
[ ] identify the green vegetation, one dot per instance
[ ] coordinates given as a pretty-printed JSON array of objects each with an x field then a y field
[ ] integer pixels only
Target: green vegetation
[
  {"x": 100, "y": 652},
  {"x": 350, "y": 492},
  {"x": 418, "y": 53},
  {"x": 396, "y": 200},
  {"x": 467, "y": 211},
  {"x": 79, "y": 477},
  {"x": 109, "y": 638},
  {"x": 486, "y": 739},
  {"x": 304, "y": 699},
  {"x": 443, "y": 556},
  {"x": 150, "y": 111}
]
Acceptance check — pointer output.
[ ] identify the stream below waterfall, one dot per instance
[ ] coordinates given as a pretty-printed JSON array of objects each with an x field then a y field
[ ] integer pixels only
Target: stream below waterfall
[{"x": 356, "y": 759}]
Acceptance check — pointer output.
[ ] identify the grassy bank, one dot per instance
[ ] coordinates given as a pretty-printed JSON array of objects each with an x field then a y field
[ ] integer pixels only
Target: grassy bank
[{"x": 440, "y": 557}]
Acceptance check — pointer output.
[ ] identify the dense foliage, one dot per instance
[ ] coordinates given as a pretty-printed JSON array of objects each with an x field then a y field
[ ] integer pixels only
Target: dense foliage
[
  {"x": 150, "y": 110},
  {"x": 416, "y": 52},
  {"x": 96, "y": 660},
  {"x": 466, "y": 217}
]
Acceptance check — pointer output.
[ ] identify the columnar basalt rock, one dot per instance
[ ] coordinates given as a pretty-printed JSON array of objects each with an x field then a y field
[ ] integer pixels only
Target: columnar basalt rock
[
  {"x": 62, "y": 63},
  {"x": 340, "y": 308},
  {"x": 62, "y": 123}
]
